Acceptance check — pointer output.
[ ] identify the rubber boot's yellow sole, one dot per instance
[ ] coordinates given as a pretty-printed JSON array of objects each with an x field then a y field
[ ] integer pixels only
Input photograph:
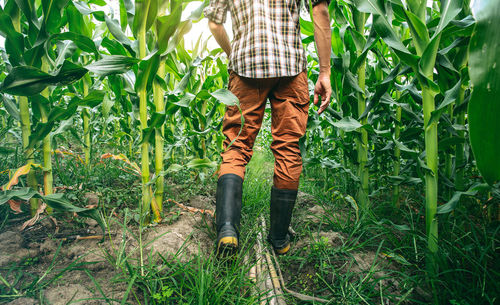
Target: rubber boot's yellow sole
[
  {"x": 228, "y": 241},
  {"x": 227, "y": 245},
  {"x": 283, "y": 250}
]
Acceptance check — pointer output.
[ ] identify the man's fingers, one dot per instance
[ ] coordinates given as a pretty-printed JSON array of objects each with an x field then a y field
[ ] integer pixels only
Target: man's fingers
[
  {"x": 324, "y": 104},
  {"x": 315, "y": 98},
  {"x": 329, "y": 96}
]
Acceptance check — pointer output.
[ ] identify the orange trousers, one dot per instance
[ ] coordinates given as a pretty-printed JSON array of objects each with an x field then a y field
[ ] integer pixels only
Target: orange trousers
[{"x": 289, "y": 98}]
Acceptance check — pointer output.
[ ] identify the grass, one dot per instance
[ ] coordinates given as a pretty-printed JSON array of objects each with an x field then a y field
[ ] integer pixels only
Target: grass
[{"x": 339, "y": 253}]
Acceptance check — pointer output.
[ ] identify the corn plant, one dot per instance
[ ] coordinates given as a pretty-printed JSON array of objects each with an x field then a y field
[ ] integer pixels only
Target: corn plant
[
  {"x": 41, "y": 73},
  {"x": 422, "y": 61},
  {"x": 484, "y": 104}
]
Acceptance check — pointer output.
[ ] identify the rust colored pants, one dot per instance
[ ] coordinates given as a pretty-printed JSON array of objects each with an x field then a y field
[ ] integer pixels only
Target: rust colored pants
[{"x": 289, "y": 98}]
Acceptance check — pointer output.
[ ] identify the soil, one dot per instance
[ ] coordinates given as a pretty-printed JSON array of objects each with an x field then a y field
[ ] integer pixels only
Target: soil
[
  {"x": 361, "y": 263},
  {"x": 183, "y": 234},
  {"x": 34, "y": 249}
]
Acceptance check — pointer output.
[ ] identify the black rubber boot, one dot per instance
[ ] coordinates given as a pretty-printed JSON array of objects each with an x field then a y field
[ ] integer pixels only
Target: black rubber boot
[
  {"x": 282, "y": 202},
  {"x": 228, "y": 212}
]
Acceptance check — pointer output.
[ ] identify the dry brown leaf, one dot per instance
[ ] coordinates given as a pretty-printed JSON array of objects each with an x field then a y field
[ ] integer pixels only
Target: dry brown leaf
[
  {"x": 191, "y": 209},
  {"x": 15, "y": 206},
  {"x": 34, "y": 219}
]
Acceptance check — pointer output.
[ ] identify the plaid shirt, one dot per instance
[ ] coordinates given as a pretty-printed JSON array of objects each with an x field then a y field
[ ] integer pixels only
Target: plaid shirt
[{"x": 267, "y": 40}]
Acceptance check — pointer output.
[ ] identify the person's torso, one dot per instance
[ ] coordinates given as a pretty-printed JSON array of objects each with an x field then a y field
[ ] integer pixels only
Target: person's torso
[{"x": 267, "y": 40}]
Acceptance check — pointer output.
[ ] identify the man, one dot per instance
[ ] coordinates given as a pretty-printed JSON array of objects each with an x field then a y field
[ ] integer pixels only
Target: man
[{"x": 266, "y": 60}]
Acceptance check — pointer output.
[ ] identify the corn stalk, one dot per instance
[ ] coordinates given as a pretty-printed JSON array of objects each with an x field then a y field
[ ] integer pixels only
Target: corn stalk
[
  {"x": 86, "y": 125},
  {"x": 159, "y": 101},
  {"x": 48, "y": 179},
  {"x": 29, "y": 153},
  {"x": 397, "y": 153},
  {"x": 143, "y": 117},
  {"x": 362, "y": 139}
]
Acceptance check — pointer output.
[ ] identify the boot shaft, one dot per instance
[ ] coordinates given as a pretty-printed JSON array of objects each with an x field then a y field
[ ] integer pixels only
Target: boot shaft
[
  {"x": 282, "y": 203},
  {"x": 228, "y": 201}
]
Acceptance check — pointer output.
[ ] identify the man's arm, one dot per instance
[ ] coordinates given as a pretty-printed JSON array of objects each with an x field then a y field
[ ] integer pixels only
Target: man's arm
[
  {"x": 323, "y": 39},
  {"x": 220, "y": 36},
  {"x": 216, "y": 12}
]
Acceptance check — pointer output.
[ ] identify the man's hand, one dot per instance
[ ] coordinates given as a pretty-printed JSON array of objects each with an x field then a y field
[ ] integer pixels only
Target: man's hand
[
  {"x": 323, "y": 39},
  {"x": 323, "y": 88}
]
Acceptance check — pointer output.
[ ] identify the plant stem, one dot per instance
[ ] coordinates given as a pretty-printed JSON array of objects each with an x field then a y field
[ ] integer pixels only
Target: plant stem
[
  {"x": 158, "y": 95},
  {"x": 143, "y": 114},
  {"x": 362, "y": 141},
  {"x": 460, "y": 148},
  {"x": 28, "y": 152},
  {"x": 24, "y": 113},
  {"x": 431, "y": 178},
  {"x": 448, "y": 161},
  {"x": 86, "y": 123},
  {"x": 397, "y": 153},
  {"x": 46, "y": 146},
  {"x": 130, "y": 139}
]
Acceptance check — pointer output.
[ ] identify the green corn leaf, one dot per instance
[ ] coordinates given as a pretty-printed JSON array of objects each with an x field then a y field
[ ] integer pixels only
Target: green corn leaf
[
  {"x": 166, "y": 27},
  {"x": 385, "y": 30},
  {"x": 197, "y": 13},
  {"x": 448, "y": 143},
  {"x": 348, "y": 124},
  {"x": 306, "y": 27},
  {"x": 337, "y": 45},
  {"x": 113, "y": 64},
  {"x": 58, "y": 113},
  {"x": 420, "y": 33},
  {"x": 29, "y": 11},
  {"x": 76, "y": 23},
  {"x": 201, "y": 163},
  {"x": 455, "y": 199},
  {"x": 68, "y": 73},
  {"x": 56, "y": 201},
  {"x": 113, "y": 47},
  {"x": 6, "y": 150},
  {"x": 157, "y": 119},
  {"x": 25, "y": 80},
  {"x": 145, "y": 15},
  {"x": 186, "y": 100},
  {"x": 182, "y": 85},
  {"x": 93, "y": 99},
  {"x": 226, "y": 97},
  {"x": 382, "y": 88},
  {"x": 449, "y": 10},
  {"x": 449, "y": 98},
  {"x": 84, "y": 43},
  {"x": 484, "y": 105},
  {"x": 183, "y": 29},
  {"x": 14, "y": 41},
  {"x": 52, "y": 10},
  {"x": 147, "y": 72},
  {"x": 65, "y": 50},
  {"x": 11, "y": 107},
  {"x": 118, "y": 34}
]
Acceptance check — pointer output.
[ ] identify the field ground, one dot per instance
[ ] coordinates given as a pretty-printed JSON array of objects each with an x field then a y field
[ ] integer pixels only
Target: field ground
[{"x": 334, "y": 255}]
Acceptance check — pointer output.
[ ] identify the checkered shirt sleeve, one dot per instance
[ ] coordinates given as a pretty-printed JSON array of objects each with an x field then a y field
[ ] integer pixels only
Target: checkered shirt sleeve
[{"x": 216, "y": 11}]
